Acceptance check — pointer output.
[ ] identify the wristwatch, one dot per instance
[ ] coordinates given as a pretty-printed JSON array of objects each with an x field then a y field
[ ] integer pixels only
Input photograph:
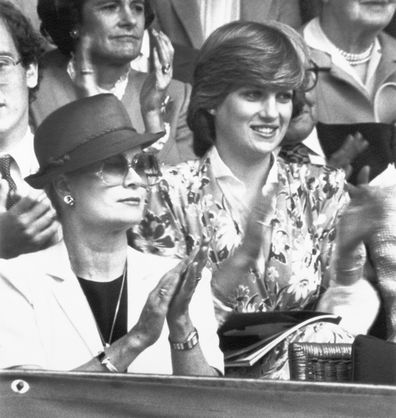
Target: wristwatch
[
  {"x": 190, "y": 342},
  {"x": 105, "y": 361}
]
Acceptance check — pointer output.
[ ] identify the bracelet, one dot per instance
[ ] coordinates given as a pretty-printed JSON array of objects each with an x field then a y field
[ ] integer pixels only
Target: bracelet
[
  {"x": 105, "y": 361},
  {"x": 191, "y": 341}
]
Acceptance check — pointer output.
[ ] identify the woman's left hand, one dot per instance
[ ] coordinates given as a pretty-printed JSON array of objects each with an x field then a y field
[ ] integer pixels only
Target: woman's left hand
[
  {"x": 155, "y": 87},
  {"x": 178, "y": 314}
]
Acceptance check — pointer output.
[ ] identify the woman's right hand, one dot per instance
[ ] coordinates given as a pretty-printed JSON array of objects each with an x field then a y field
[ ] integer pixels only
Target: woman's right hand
[
  {"x": 245, "y": 258},
  {"x": 152, "y": 318}
]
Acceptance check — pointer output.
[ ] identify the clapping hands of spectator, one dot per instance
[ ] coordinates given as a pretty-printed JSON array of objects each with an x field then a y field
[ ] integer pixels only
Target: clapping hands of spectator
[
  {"x": 28, "y": 226},
  {"x": 153, "y": 95},
  {"x": 353, "y": 145},
  {"x": 170, "y": 300}
]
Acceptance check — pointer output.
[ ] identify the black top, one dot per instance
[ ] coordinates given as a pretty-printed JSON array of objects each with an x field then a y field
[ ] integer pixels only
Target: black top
[{"x": 102, "y": 298}]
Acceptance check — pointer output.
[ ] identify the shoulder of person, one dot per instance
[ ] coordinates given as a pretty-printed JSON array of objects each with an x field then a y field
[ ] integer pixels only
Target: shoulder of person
[
  {"x": 26, "y": 271},
  {"x": 387, "y": 41},
  {"x": 182, "y": 174},
  {"x": 312, "y": 175},
  {"x": 54, "y": 58}
]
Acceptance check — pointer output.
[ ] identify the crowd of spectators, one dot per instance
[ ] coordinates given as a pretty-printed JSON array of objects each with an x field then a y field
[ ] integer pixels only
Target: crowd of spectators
[{"x": 161, "y": 169}]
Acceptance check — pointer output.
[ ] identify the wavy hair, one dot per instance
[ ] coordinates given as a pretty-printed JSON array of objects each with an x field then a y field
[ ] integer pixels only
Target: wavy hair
[{"x": 242, "y": 54}]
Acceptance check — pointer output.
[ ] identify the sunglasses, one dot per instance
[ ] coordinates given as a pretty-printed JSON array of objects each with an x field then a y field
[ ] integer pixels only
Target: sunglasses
[{"x": 114, "y": 170}]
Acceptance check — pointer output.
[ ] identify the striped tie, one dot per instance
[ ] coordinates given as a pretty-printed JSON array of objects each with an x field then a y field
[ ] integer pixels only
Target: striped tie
[{"x": 5, "y": 163}]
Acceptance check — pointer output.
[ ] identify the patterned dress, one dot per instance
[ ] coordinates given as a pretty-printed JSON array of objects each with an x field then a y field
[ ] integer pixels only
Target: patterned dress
[{"x": 189, "y": 203}]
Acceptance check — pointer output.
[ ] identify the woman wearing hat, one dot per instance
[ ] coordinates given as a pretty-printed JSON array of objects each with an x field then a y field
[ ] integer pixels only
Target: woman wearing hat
[{"x": 91, "y": 302}]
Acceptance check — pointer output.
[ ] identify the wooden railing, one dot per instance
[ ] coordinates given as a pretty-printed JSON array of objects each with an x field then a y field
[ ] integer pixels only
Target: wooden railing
[{"x": 46, "y": 394}]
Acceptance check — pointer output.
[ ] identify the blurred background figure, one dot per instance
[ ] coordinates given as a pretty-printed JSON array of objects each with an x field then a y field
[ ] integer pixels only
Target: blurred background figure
[
  {"x": 116, "y": 38},
  {"x": 348, "y": 36},
  {"x": 190, "y": 22},
  {"x": 27, "y": 220}
]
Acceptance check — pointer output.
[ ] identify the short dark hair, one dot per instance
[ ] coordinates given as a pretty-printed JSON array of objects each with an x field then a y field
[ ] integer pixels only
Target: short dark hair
[
  {"x": 241, "y": 54},
  {"x": 60, "y": 17},
  {"x": 27, "y": 41}
]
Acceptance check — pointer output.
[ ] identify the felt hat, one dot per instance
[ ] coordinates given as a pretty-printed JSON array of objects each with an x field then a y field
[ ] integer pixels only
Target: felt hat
[{"x": 81, "y": 133}]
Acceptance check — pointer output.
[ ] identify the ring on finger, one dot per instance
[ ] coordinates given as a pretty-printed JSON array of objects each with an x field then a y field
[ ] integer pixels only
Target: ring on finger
[
  {"x": 166, "y": 68},
  {"x": 85, "y": 71},
  {"x": 163, "y": 292}
]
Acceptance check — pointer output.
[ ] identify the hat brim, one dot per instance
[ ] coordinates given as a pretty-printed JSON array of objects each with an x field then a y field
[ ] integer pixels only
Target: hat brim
[{"x": 93, "y": 151}]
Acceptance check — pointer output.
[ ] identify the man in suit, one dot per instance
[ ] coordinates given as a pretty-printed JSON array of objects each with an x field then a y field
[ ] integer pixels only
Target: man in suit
[
  {"x": 27, "y": 220},
  {"x": 184, "y": 21}
]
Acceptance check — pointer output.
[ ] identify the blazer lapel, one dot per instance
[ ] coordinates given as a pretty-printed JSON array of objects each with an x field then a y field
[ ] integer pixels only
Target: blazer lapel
[
  {"x": 71, "y": 299},
  {"x": 387, "y": 65},
  {"x": 187, "y": 12},
  {"x": 322, "y": 59}
]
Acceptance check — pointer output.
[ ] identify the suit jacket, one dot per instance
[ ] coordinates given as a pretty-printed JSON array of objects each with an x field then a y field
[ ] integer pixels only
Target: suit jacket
[
  {"x": 339, "y": 98},
  {"x": 180, "y": 20},
  {"x": 57, "y": 89},
  {"x": 45, "y": 318}
]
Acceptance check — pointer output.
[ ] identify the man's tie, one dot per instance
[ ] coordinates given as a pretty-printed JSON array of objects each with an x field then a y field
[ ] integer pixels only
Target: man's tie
[{"x": 5, "y": 163}]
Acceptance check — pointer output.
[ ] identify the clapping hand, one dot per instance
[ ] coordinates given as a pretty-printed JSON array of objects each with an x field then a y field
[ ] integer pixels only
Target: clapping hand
[
  {"x": 85, "y": 79},
  {"x": 170, "y": 300},
  {"x": 245, "y": 257},
  {"x": 353, "y": 145},
  {"x": 30, "y": 225},
  {"x": 153, "y": 96}
]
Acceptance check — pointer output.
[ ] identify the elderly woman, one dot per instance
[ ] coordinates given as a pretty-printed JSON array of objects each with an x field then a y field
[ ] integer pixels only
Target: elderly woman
[
  {"x": 348, "y": 37},
  {"x": 91, "y": 302},
  {"x": 117, "y": 30},
  {"x": 241, "y": 105}
]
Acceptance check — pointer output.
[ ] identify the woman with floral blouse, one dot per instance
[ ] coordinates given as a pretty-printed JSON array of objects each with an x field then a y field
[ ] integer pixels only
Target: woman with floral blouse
[{"x": 240, "y": 108}]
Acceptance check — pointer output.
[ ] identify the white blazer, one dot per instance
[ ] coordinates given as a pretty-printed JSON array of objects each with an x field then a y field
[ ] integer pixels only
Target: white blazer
[{"x": 46, "y": 321}]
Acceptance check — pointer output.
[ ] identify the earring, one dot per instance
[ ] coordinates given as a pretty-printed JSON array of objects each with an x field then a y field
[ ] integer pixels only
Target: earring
[
  {"x": 69, "y": 200},
  {"x": 74, "y": 34},
  {"x": 211, "y": 111}
]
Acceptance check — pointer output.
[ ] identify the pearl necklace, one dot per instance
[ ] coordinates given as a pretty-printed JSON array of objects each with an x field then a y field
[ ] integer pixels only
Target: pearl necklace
[{"x": 357, "y": 59}]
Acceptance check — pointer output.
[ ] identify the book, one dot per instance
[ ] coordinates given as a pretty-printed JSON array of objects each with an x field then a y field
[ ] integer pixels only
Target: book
[
  {"x": 246, "y": 337},
  {"x": 380, "y": 152}
]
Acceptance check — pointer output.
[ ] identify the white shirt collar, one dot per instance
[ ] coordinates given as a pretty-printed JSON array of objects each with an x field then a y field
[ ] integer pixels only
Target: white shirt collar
[
  {"x": 221, "y": 170},
  {"x": 317, "y": 155}
]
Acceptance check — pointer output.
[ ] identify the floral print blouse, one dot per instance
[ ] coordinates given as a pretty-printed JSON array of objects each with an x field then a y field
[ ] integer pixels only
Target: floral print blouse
[{"x": 188, "y": 202}]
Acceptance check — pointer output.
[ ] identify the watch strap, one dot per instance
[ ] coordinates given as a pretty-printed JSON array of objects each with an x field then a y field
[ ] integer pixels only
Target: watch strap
[{"x": 190, "y": 342}]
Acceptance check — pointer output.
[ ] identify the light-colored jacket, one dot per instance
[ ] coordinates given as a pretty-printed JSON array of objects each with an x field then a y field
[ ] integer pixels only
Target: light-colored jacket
[
  {"x": 179, "y": 19},
  {"x": 57, "y": 89},
  {"x": 46, "y": 321},
  {"x": 340, "y": 99}
]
